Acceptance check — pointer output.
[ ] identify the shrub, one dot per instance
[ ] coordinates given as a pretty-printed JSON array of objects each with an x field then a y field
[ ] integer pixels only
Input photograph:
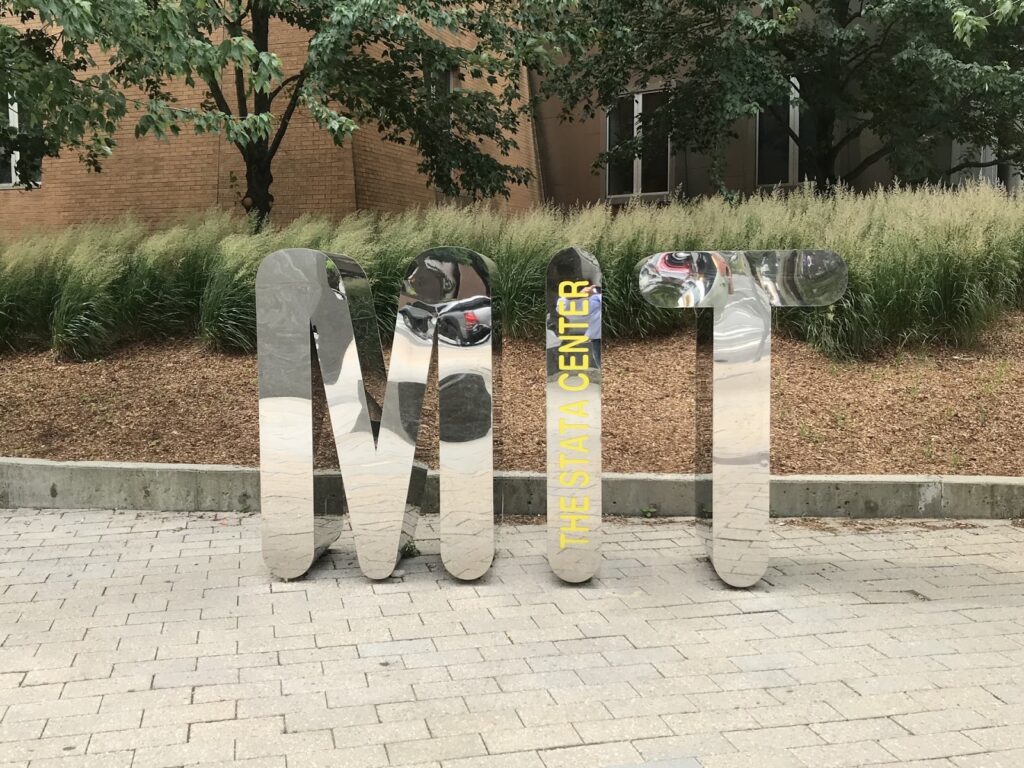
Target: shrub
[
  {"x": 926, "y": 265},
  {"x": 28, "y": 289},
  {"x": 89, "y": 310},
  {"x": 164, "y": 291}
]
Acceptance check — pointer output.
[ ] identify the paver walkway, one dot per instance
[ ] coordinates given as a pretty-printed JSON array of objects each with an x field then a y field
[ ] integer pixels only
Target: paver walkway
[{"x": 152, "y": 640}]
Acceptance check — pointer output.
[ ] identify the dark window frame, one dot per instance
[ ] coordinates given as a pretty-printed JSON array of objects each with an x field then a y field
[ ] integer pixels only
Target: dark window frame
[
  {"x": 793, "y": 154},
  {"x": 636, "y": 165},
  {"x": 10, "y": 164},
  {"x": 9, "y": 179}
]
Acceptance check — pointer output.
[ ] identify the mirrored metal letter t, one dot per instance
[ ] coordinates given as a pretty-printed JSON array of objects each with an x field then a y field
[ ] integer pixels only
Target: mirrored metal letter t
[{"x": 740, "y": 288}]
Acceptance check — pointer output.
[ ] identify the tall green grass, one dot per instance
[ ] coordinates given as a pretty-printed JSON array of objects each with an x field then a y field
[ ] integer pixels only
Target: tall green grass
[{"x": 926, "y": 265}]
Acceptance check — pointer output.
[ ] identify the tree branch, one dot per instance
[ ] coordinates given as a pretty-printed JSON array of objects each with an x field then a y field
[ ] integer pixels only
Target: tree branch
[
  {"x": 858, "y": 60},
  {"x": 218, "y": 95},
  {"x": 260, "y": 36},
  {"x": 284, "y": 84},
  {"x": 802, "y": 151},
  {"x": 850, "y": 136},
  {"x": 234, "y": 28},
  {"x": 293, "y": 102},
  {"x": 241, "y": 15},
  {"x": 243, "y": 105},
  {"x": 785, "y": 124},
  {"x": 211, "y": 81},
  {"x": 966, "y": 165},
  {"x": 868, "y": 161}
]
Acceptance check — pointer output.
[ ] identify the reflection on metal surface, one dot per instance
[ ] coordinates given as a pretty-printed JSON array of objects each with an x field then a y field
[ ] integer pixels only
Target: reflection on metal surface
[
  {"x": 454, "y": 284},
  {"x": 290, "y": 287},
  {"x": 300, "y": 292},
  {"x": 705, "y": 278},
  {"x": 684, "y": 279},
  {"x": 574, "y": 305},
  {"x": 739, "y": 288}
]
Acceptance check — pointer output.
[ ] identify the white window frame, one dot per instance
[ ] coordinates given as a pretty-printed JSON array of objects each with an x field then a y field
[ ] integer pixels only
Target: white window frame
[
  {"x": 12, "y": 122},
  {"x": 637, "y": 161},
  {"x": 794, "y": 148}
]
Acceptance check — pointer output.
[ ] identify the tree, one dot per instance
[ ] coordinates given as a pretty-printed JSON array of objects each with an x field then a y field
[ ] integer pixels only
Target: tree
[
  {"x": 970, "y": 23},
  {"x": 904, "y": 71},
  {"x": 48, "y": 72},
  {"x": 369, "y": 61}
]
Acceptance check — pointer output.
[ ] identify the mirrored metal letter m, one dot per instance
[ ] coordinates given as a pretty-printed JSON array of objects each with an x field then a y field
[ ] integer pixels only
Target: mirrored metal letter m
[{"x": 306, "y": 303}]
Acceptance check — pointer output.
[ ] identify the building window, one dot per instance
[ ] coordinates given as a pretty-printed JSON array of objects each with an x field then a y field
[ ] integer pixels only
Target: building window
[
  {"x": 778, "y": 155},
  {"x": 9, "y": 163},
  {"x": 649, "y": 173},
  {"x": 8, "y": 119},
  {"x": 444, "y": 83}
]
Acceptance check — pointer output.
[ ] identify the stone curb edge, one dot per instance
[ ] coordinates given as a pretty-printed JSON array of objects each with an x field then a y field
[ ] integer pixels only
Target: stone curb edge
[{"x": 44, "y": 484}]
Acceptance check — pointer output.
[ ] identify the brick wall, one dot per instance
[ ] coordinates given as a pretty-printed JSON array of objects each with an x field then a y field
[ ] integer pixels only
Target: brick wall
[{"x": 159, "y": 181}]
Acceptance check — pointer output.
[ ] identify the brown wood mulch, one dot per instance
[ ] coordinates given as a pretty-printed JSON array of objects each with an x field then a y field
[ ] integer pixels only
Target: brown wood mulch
[{"x": 927, "y": 411}]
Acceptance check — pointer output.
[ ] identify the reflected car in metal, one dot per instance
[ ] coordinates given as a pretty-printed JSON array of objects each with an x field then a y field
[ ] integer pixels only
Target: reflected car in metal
[{"x": 466, "y": 322}]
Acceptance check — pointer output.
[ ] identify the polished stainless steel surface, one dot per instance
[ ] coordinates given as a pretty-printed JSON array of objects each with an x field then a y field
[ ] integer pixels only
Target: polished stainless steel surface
[
  {"x": 574, "y": 307},
  {"x": 376, "y": 459},
  {"x": 740, "y": 288},
  {"x": 302, "y": 292},
  {"x": 291, "y": 285},
  {"x": 453, "y": 285}
]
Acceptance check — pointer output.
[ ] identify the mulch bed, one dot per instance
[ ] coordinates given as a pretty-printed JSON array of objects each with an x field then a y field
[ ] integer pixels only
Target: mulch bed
[{"x": 926, "y": 411}]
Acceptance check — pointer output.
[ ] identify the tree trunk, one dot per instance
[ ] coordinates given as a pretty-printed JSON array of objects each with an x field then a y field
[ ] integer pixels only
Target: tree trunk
[
  {"x": 258, "y": 200},
  {"x": 825, "y": 154}
]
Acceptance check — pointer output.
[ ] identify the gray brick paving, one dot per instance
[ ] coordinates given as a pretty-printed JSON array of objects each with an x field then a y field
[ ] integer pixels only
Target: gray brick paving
[{"x": 156, "y": 640}]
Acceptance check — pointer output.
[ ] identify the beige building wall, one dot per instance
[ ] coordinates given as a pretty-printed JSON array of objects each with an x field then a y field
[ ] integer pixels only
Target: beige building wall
[{"x": 567, "y": 152}]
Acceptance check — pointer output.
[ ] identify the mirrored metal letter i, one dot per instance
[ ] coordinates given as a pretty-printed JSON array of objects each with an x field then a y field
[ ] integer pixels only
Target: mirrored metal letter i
[
  {"x": 573, "y": 344},
  {"x": 732, "y": 424}
]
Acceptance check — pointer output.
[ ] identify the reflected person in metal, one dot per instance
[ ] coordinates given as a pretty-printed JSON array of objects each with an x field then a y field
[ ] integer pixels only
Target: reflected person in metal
[
  {"x": 574, "y": 313},
  {"x": 740, "y": 288}
]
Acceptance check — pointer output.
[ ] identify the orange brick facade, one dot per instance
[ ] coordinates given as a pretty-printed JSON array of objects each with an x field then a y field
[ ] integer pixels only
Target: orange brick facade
[{"x": 159, "y": 181}]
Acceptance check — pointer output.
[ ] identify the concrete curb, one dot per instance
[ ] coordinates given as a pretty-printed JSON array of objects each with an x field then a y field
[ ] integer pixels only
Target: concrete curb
[{"x": 42, "y": 484}]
